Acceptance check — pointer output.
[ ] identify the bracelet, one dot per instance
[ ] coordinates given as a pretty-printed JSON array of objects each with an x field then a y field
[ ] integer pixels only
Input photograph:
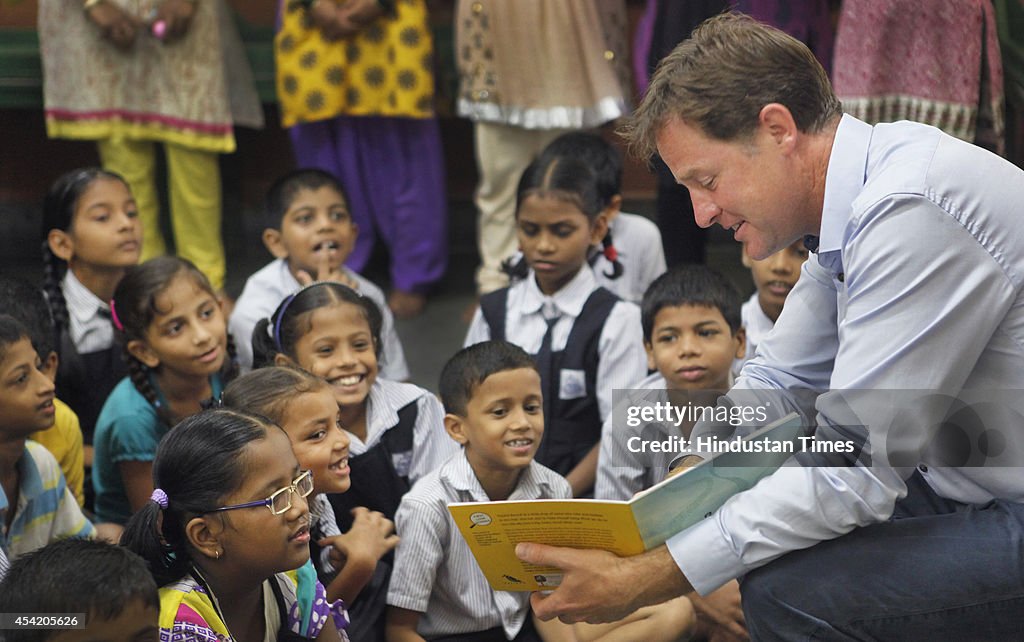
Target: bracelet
[{"x": 89, "y": 4}]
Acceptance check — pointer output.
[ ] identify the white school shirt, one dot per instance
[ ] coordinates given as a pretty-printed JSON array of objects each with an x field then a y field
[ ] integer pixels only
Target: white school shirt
[
  {"x": 619, "y": 475},
  {"x": 265, "y": 290},
  {"x": 638, "y": 242},
  {"x": 436, "y": 574},
  {"x": 621, "y": 349},
  {"x": 431, "y": 445},
  {"x": 757, "y": 325},
  {"x": 90, "y": 328}
]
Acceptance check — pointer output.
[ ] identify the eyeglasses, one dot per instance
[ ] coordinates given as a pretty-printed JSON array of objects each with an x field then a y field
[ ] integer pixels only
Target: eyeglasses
[{"x": 281, "y": 500}]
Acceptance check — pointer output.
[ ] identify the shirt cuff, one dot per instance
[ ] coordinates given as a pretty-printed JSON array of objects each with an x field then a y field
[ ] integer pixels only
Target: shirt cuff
[{"x": 704, "y": 556}]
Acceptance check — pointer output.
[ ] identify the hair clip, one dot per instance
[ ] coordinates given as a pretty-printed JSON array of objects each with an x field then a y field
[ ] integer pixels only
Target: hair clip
[
  {"x": 114, "y": 318},
  {"x": 159, "y": 497},
  {"x": 611, "y": 253}
]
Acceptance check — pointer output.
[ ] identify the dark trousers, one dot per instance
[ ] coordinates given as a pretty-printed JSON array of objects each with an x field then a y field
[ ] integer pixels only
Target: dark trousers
[{"x": 938, "y": 570}]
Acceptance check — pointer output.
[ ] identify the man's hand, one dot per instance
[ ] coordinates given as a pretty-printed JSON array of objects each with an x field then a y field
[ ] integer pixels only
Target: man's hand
[
  {"x": 116, "y": 25},
  {"x": 356, "y": 15},
  {"x": 720, "y": 615},
  {"x": 599, "y": 587}
]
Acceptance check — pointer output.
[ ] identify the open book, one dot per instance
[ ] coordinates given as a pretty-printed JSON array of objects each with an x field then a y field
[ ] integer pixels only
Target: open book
[{"x": 492, "y": 529}]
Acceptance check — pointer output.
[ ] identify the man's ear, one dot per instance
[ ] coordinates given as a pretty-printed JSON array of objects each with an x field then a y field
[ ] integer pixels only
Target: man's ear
[
  {"x": 202, "y": 533},
  {"x": 741, "y": 342},
  {"x": 454, "y": 425},
  {"x": 599, "y": 229},
  {"x": 61, "y": 244},
  {"x": 272, "y": 241},
  {"x": 778, "y": 123},
  {"x": 141, "y": 351}
]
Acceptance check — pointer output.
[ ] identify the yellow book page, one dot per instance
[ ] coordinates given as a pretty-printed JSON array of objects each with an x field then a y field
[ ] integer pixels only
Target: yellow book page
[{"x": 492, "y": 530}]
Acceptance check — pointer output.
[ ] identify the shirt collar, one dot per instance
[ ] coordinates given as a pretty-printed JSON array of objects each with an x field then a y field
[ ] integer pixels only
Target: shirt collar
[
  {"x": 460, "y": 476},
  {"x": 568, "y": 301},
  {"x": 81, "y": 302},
  {"x": 844, "y": 180}
]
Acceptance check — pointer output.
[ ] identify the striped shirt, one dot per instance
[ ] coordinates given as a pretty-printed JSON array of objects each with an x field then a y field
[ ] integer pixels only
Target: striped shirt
[
  {"x": 623, "y": 361},
  {"x": 89, "y": 317},
  {"x": 431, "y": 445},
  {"x": 324, "y": 524},
  {"x": 435, "y": 573},
  {"x": 46, "y": 510}
]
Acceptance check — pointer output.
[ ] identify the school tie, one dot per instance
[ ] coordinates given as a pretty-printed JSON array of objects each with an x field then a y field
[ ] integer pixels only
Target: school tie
[{"x": 543, "y": 359}]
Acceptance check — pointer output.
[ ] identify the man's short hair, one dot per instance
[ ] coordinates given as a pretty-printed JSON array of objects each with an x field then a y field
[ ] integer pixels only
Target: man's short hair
[
  {"x": 471, "y": 366},
  {"x": 74, "y": 576},
  {"x": 719, "y": 79},
  {"x": 282, "y": 193},
  {"x": 691, "y": 285}
]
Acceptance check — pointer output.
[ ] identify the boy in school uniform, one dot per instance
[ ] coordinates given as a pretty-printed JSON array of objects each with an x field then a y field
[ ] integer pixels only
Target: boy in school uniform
[
  {"x": 36, "y": 505},
  {"x": 692, "y": 334},
  {"x": 774, "y": 278},
  {"x": 310, "y": 232},
  {"x": 492, "y": 396}
]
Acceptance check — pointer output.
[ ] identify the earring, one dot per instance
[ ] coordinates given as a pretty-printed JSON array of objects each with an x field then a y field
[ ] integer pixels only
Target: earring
[{"x": 217, "y": 554}]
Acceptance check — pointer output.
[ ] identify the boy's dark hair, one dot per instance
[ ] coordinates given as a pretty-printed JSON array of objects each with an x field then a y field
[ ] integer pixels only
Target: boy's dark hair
[
  {"x": 595, "y": 152},
  {"x": 26, "y": 303},
  {"x": 58, "y": 214},
  {"x": 134, "y": 303},
  {"x": 283, "y": 191},
  {"x": 293, "y": 318},
  {"x": 471, "y": 366},
  {"x": 267, "y": 391},
  {"x": 75, "y": 576},
  {"x": 11, "y": 331},
  {"x": 200, "y": 461},
  {"x": 691, "y": 285}
]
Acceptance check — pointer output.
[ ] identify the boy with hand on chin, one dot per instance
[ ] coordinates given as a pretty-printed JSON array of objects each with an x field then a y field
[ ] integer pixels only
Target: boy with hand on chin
[
  {"x": 310, "y": 232},
  {"x": 492, "y": 396}
]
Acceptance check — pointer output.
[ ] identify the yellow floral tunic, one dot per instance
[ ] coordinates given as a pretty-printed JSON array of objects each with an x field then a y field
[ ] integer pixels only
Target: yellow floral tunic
[{"x": 384, "y": 70}]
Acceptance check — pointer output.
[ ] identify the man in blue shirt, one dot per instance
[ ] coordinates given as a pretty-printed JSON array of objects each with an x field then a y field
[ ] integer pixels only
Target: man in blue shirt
[{"x": 915, "y": 285}]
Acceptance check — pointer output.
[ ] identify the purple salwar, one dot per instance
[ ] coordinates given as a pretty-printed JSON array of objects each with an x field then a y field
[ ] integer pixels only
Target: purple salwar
[{"x": 393, "y": 172}]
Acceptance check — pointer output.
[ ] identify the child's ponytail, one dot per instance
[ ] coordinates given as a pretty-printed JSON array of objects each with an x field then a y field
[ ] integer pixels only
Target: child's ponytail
[
  {"x": 263, "y": 347},
  {"x": 58, "y": 214},
  {"x": 612, "y": 255},
  {"x": 197, "y": 464},
  {"x": 133, "y": 308}
]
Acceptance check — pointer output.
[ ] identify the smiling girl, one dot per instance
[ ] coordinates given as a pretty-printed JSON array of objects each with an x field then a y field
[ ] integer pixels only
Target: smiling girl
[{"x": 179, "y": 352}]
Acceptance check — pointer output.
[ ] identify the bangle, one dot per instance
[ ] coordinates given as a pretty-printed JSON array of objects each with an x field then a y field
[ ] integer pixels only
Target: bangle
[{"x": 89, "y": 4}]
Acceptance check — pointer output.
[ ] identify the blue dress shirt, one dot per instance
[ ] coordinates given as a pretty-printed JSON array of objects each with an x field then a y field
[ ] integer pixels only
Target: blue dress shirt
[{"x": 916, "y": 285}]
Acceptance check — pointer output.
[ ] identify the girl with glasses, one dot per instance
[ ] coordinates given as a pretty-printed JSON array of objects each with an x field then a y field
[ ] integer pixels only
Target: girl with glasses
[{"x": 226, "y": 535}]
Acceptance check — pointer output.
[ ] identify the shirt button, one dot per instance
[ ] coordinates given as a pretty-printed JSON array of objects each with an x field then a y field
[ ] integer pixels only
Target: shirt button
[
  {"x": 922, "y": 468},
  {"x": 477, "y": 7},
  {"x": 609, "y": 54}
]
